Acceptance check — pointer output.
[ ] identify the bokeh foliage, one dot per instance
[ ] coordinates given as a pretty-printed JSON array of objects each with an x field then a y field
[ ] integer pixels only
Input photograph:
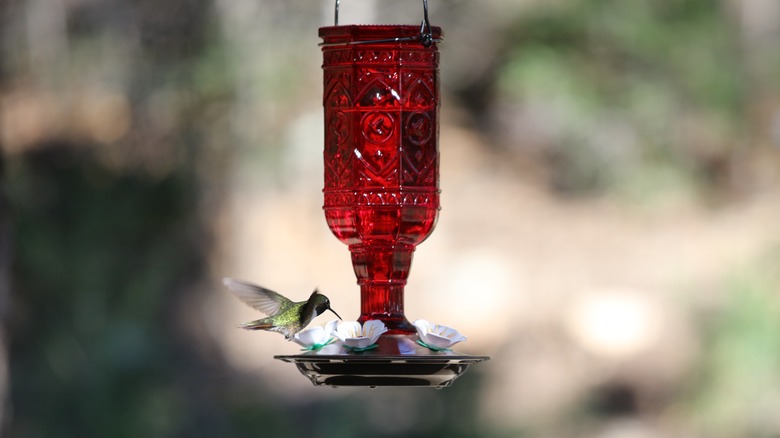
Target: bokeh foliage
[
  {"x": 638, "y": 98},
  {"x": 735, "y": 389},
  {"x": 99, "y": 263}
]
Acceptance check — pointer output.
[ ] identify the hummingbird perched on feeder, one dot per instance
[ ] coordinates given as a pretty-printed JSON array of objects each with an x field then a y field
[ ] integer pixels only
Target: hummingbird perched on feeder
[{"x": 284, "y": 316}]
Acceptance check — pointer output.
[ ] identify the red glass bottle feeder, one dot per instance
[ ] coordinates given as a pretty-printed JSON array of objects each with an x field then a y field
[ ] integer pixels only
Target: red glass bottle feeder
[
  {"x": 381, "y": 190},
  {"x": 381, "y": 156}
]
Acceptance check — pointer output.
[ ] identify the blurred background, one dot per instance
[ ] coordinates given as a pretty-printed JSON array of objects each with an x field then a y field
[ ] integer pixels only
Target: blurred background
[{"x": 609, "y": 175}]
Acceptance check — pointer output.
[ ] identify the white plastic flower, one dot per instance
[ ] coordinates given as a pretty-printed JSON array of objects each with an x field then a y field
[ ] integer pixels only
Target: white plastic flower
[
  {"x": 357, "y": 337},
  {"x": 314, "y": 338},
  {"x": 437, "y": 337}
]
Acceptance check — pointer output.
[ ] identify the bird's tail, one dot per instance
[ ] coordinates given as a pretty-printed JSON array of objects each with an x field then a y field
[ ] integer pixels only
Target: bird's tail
[{"x": 260, "y": 324}]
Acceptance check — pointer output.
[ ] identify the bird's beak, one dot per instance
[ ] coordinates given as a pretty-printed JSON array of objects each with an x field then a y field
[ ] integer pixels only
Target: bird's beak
[{"x": 334, "y": 312}]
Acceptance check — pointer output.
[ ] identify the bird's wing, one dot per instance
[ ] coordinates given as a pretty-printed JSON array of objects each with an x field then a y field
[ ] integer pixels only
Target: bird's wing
[{"x": 259, "y": 298}]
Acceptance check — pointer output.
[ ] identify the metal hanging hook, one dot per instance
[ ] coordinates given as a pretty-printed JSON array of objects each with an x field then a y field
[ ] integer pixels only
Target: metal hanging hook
[{"x": 426, "y": 35}]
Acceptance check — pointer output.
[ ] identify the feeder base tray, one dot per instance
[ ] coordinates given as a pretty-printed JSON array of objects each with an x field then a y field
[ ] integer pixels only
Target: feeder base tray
[{"x": 397, "y": 361}]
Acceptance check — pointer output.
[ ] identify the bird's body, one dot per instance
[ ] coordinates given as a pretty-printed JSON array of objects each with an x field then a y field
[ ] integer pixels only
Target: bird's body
[{"x": 284, "y": 316}]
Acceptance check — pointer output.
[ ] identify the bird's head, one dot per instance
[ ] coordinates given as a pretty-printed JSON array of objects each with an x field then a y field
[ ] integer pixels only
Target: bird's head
[{"x": 321, "y": 303}]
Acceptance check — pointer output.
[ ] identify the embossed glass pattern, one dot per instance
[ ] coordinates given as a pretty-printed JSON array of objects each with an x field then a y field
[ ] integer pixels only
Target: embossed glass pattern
[{"x": 381, "y": 188}]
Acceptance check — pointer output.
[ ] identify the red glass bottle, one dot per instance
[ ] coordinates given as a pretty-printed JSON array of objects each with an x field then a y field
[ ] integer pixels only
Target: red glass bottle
[{"x": 381, "y": 100}]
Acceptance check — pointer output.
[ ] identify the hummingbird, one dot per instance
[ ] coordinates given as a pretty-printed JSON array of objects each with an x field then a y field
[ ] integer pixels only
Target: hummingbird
[{"x": 284, "y": 316}]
